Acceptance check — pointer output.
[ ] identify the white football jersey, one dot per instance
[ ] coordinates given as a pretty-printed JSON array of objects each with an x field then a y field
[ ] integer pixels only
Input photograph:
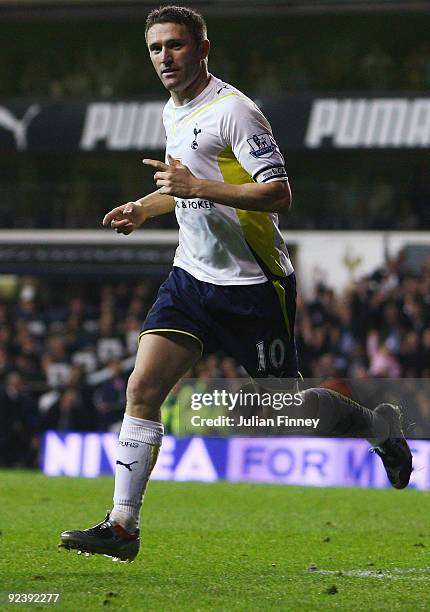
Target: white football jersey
[{"x": 223, "y": 136}]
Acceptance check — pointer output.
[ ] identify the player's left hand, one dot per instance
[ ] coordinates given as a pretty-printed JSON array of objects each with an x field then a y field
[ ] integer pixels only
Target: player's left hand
[{"x": 173, "y": 178}]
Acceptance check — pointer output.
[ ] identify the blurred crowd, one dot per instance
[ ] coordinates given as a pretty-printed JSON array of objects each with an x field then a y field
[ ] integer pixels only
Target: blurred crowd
[
  {"x": 64, "y": 360},
  {"x": 66, "y": 353},
  {"x": 379, "y": 327},
  {"x": 283, "y": 65}
]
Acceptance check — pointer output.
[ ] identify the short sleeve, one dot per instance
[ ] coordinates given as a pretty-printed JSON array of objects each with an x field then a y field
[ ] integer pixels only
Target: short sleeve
[{"x": 246, "y": 130}]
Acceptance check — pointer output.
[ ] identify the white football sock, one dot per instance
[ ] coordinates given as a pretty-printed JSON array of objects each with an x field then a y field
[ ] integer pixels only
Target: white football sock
[{"x": 138, "y": 446}]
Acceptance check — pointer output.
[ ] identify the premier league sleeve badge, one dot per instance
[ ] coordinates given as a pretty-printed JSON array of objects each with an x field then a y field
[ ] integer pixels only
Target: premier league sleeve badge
[{"x": 262, "y": 145}]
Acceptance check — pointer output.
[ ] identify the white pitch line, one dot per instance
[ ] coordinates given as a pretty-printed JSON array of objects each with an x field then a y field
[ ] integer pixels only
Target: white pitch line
[{"x": 394, "y": 574}]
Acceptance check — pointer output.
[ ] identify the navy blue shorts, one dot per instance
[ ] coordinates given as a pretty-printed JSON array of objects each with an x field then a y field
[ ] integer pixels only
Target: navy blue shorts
[{"x": 252, "y": 323}]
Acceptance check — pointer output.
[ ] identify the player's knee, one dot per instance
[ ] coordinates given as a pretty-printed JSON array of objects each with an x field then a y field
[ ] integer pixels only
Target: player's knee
[
  {"x": 310, "y": 398},
  {"x": 143, "y": 396}
]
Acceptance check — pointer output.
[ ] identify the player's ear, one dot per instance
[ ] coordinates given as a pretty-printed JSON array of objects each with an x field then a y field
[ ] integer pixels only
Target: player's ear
[{"x": 204, "y": 49}]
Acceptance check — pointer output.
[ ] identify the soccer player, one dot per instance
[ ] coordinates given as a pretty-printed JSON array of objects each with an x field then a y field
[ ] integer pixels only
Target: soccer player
[{"x": 232, "y": 286}]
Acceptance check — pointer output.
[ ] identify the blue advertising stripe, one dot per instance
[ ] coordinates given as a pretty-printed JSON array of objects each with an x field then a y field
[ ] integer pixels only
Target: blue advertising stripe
[
  {"x": 207, "y": 455},
  {"x": 289, "y": 460}
]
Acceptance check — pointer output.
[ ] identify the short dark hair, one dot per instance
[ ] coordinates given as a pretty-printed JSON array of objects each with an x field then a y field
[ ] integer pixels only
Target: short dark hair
[{"x": 179, "y": 14}]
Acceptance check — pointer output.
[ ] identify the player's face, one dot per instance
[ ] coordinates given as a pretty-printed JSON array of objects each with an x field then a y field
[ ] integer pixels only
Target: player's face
[{"x": 175, "y": 55}]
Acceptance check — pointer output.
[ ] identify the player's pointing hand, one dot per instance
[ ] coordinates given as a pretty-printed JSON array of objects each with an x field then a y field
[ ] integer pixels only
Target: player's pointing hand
[
  {"x": 173, "y": 178},
  {"x": 125, "y": 218}
]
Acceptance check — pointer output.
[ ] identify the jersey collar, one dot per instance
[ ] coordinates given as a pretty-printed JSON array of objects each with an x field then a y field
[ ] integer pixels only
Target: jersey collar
[{"x": 195, "y": 102}]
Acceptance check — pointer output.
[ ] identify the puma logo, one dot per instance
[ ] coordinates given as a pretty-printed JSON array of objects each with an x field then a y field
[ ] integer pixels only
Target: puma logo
[
  {"x": 127, "y": 465},
  {"x": 18, "y": 127}
]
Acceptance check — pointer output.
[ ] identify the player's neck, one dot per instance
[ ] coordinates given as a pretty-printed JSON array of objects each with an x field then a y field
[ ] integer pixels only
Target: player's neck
[{"x": 192, "y": 91}]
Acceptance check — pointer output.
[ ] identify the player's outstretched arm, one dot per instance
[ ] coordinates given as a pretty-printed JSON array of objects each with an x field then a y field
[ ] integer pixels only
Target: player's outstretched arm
[
  {"x": 177, "y": 180},
  {"x": 128, "y": 217}
]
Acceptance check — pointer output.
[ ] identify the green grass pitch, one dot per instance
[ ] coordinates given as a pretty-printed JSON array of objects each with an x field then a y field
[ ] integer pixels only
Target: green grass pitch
[{"x": 221, "y": 547}]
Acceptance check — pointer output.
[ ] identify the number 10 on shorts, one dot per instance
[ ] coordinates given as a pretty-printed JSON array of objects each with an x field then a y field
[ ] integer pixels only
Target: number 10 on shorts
[{"x": 276, "y": 354}]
